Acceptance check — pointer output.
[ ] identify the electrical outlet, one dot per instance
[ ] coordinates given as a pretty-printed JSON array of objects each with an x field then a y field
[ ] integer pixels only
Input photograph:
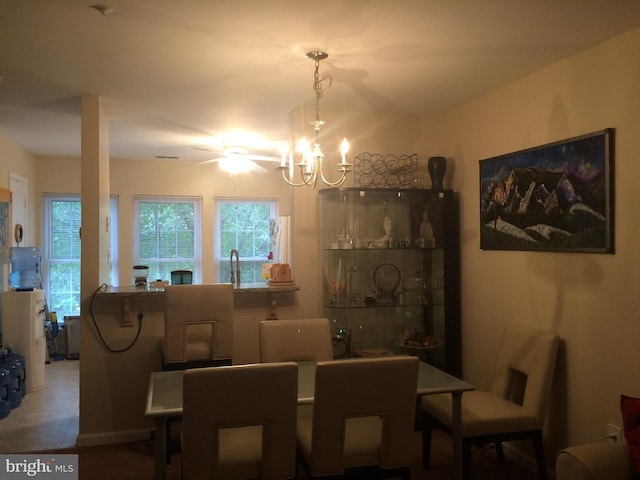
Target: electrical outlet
[{"x": 614, "y": 433}]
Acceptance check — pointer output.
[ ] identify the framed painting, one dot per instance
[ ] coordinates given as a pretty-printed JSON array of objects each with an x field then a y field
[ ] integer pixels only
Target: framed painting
[
  {"x": 556, "y": 197},
  {"x": 5, "y": 224}
]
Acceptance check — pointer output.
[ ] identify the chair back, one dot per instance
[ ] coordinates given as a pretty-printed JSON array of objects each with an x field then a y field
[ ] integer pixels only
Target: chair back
[
  {"x": 198, "y": 322},
  {"x": 307, "y": 339},
  {"x": 525, "y": 367},
  {"x": 240, "y": 421},
  {"x": 381, "y": 389}
]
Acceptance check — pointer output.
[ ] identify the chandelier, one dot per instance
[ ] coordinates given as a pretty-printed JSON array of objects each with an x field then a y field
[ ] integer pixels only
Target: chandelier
[{"x": 308, "y": 159}]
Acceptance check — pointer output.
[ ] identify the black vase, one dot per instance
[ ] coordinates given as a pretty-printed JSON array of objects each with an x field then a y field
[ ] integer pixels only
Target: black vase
[{"x": 437, "y": 168}]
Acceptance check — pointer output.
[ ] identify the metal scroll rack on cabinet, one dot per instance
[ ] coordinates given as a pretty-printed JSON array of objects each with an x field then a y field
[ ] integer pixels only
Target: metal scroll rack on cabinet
[{"x": 373, "y": 170}]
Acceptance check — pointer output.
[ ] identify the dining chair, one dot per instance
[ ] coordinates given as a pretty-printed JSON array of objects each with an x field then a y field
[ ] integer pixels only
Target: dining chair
[
  {"x": 363, "y": 418},
  {"x": 227, "y": 434},
  {"x": 198, "y": 322},
  {"x": 514, "y": 408},
  {"x": 307, "y": 339}
]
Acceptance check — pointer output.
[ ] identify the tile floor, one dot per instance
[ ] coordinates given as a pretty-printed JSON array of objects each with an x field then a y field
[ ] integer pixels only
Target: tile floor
[{"x": 47, "y": 418}]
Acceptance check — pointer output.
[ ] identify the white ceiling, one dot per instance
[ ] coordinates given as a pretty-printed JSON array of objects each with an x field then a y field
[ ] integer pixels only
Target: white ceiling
[{"x": 172, "y": 73}]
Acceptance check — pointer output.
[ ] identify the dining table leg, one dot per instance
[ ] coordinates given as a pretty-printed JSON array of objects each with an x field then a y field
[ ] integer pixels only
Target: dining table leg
[
  {"x": 160, "y": 449},
  {"x": 456, "y": 428}
]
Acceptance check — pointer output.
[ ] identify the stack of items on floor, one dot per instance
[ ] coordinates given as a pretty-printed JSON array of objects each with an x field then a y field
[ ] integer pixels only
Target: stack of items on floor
[
  {"x": 63, "y": 340},
  {"x": 12, "y": 381}
]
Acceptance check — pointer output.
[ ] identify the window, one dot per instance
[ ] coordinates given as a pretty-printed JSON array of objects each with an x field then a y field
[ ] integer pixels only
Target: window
[
  {"x": 61, "y": 252},
  {"x": 243, "y": 224},
  {"x": 61, "y": 255},
  {"x": 114, "y": 259},
  {"x": 167, "y": 235}
]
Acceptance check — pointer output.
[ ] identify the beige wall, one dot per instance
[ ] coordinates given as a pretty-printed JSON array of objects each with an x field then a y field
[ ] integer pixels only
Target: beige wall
[
  {"x": 591, "y": 300},
  {"x": 15, "y": 159}
]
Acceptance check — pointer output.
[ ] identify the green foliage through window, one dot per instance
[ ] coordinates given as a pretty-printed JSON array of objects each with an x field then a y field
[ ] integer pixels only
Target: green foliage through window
[
  {"x": 167, "y": 236},
  {"x": 243, "y": 225},
  {"x": 63, "y": 256}
]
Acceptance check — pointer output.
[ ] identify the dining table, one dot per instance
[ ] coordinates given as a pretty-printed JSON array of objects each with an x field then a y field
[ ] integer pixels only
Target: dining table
[{"x": 164, "y": 404}]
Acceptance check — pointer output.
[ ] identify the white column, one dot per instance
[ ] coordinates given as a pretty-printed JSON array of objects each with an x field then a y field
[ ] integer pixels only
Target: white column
[{"x": 94, "y": 396}]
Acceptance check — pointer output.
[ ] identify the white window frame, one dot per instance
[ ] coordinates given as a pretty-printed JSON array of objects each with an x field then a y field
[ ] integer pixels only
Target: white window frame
[
  {"x": 218, "y": 255},
  {"x": 47, "y": 243},
  {"x": 46, "y": 238},
  {"x": 197, "y": 230},
  {"x": 114, "y": 250}
]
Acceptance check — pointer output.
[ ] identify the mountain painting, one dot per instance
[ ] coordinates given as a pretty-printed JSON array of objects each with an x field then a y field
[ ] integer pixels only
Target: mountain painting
[{"x": 556, "y": 197}]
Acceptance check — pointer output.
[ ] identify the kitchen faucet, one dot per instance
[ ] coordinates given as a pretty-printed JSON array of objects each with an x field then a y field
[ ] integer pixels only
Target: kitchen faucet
[{"x": 235, "y": 277}]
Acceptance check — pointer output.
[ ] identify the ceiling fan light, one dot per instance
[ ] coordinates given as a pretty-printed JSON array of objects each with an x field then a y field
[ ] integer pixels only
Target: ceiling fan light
[
  {"x": 235, "y": 150},
  {"x": 234, "y": 164}
]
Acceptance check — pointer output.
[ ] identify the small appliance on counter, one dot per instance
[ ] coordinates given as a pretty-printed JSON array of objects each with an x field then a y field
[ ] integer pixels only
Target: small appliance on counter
[{"x": 140, "y": 275}]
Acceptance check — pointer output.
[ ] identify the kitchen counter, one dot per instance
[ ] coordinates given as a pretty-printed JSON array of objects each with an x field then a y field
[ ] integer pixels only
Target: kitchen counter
[
  {"x": 129, "y": 294},
  {"x": 257, "y": 287}
]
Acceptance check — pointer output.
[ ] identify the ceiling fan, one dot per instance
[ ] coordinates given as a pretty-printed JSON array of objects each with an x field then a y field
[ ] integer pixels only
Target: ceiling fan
[{"x": 237, "y": 159}]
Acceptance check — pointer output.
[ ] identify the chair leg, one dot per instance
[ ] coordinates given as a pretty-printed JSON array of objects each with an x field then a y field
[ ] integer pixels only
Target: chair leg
[
  {"x": 538, "y": 445},
  {"x": 427, "y": 429},
  {"x": 499, "y": 451},
  {"x": 466, "y": 458},
  {"x": 167, "y": 443}
]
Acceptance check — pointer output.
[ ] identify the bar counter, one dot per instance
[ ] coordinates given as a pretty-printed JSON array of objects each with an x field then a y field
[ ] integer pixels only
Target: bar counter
[{"x": 129, "y": 294}]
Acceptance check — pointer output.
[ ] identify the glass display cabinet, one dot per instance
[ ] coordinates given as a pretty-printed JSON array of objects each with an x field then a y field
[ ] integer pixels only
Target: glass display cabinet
[{"x": 391, "y": 272}]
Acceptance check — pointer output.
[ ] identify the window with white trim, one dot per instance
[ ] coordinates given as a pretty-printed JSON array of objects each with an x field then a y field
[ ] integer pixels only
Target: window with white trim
[
  {"x": 167, "y": 235},
  {"x": 243, "y": 224},
  {"x": 61, "y": 250}
]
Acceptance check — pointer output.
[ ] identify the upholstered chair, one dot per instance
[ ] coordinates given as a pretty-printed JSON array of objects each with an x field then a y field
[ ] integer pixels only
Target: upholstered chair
[
  {"x": 239, "y": 422},
  {"x": 198, "y": 322},
  {"x": 513, "y": 409},
  {"x": 306, "y": 339},
  {"x": 363, "y": 418},
  {"x": 596, "y": 461}
]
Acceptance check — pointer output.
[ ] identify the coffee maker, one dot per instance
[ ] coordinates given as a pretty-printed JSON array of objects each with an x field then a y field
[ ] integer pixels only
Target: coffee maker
[{"x": 140, "y": 275}]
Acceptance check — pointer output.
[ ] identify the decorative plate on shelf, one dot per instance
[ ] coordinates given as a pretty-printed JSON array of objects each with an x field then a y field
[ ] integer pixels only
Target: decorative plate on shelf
[{"x": 386, "y": 278}]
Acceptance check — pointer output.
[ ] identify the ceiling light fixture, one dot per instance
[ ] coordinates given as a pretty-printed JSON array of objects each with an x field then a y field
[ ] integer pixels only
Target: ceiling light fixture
[
  {"x": 309, "y": 159},
  {"x": 235, "y": 161}
]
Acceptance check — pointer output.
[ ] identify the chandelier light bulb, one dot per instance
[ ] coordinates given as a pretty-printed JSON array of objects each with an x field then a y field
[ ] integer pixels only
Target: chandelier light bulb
[
  {"x": 303, "y": 146},
  {"x": 344, "y": 149}
]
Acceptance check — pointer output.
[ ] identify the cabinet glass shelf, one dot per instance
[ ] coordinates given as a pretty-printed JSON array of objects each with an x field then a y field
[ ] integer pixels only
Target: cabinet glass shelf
[
  {"x": 379, "y": 305},
  {"x": 391, "y": 265}
]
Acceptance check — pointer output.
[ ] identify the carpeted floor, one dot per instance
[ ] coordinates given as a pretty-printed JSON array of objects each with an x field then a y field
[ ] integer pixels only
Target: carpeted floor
[{"x": 135, "y": 462}]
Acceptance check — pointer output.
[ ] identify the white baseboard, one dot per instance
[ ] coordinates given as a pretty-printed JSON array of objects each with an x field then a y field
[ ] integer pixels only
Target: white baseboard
[{"x": 107, "y": 438}]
